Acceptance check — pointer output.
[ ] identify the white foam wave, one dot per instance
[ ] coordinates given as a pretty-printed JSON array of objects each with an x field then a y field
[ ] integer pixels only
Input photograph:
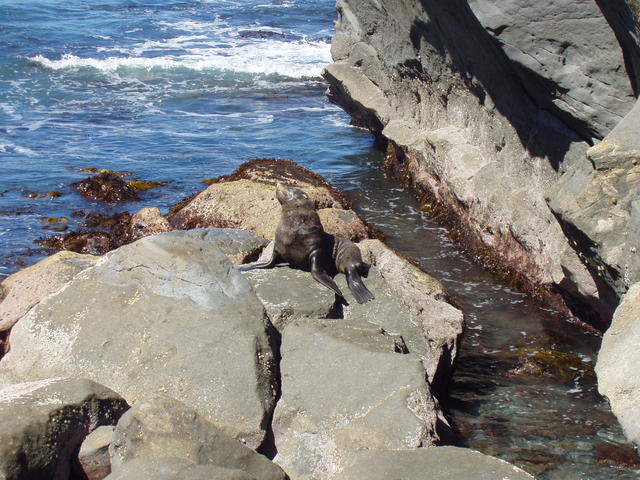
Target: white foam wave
[
  {"x": 268, "y": 57},
  {"x": 11, "y": 148}
]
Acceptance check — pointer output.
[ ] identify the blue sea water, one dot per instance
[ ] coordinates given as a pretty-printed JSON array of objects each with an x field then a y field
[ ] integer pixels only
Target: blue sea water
[
  {"x": 170, "y": 90},
  {"x": 182, "y": 91}
]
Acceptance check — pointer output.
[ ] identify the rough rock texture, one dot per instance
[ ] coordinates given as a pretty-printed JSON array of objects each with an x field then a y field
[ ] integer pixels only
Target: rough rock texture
[
  {"x": 440, "y": 463},
  {"x": 165, "y": 314},
  {"x": 148, "y": 221},
  {"x": 161, "y": 427},
  {"x": 246, "y": 200},
  {"x": 398, "y": 348},
  {"x": 595, "y": 204},
  {"x": 27, "y": 287},
  {"x": 624, "y": 18},
  {"x": 327, "y": 411},
  {"x": 95, "y": 463},
  {"x": 617, "y": 366},
  {"x": 44, "y": 423},
  {"x": 174, "y": 469},
  {"x": 522, "y": 94}
]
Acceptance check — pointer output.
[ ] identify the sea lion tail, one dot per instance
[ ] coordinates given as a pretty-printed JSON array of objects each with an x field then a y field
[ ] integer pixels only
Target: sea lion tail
[{"x": 358, "y": 288}]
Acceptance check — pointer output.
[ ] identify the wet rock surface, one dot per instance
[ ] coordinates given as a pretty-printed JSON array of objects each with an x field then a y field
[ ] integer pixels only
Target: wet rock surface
[
  {"x": 44, "y": 422},
  {"x": 106, "y": 187}
]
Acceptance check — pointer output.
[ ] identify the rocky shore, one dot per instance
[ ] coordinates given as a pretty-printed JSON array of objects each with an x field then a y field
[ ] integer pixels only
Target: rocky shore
[
  {"x": 518, "y": 126},
  {"x": 161, "y": 359}
]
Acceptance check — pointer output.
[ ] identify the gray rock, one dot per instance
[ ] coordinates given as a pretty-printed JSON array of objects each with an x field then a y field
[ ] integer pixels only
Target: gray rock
[
  {"x": 289, "y": 294},
  {"x": 162, "y": 427},
  {"x": 165, "y": 314},
  {"x": 174, "y": 469},
  {"x": 44, "y": 423},
  {"x": 469, "y": 116},
  {"x": 93, "y": 457},
  {"x": 567, "y": 59},
  {"x": 617, "y": 364},
  {"x": 436, "y": 463},
  {"x": 345, "y": 388},
  {"x": 594, "y": 201},
  {"x": 26, "y": 288}
]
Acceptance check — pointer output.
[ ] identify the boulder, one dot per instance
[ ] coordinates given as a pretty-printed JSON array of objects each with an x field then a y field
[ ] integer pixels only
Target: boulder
[
  {"x": 165, "y": 314},
  {"x": 523, "y": 94},
  {"x": 26, "y": 288},
  {"x": 595, "y": 204},
  {"x": 617, "y": 364},
  {"x": 345, "y": 388},
  {"x": 391, "y": 345},
  {"x": 434, "y": 463},
  {"x": 44, "y": 423},
  {"x": 94, "y": 460},
  {"x": 148, "y": 221},
  {"x": 246, "y": 200},
  {"x": 174, "y": 469},
  {"x": 161, "y": 428}
]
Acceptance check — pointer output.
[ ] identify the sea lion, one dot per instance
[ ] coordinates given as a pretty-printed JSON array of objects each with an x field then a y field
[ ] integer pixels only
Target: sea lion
[{"x": 301, "y": 241}]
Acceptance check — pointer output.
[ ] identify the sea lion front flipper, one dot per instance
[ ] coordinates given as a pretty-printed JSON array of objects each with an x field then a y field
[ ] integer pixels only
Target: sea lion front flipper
[
  {"x": 320, "y": 275},
  {"x": 357, "y": 287},
  {"x": 275, "y": 257}
]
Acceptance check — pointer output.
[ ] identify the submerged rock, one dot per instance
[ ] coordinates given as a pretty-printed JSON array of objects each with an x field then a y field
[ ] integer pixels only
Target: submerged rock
[
  {"x": 617, "y": 364},
  {"x": 106, "y": 187},
  {"x": 44, "y": 423}
]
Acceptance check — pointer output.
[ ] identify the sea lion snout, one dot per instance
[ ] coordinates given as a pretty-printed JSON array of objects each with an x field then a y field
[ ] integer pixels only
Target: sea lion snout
[{"x": 286, "y": 194}]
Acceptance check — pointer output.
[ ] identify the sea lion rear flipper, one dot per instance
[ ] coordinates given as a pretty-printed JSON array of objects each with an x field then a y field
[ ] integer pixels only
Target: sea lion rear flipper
[
  {"x": 275, "y": 257},
  {"x": 320, "y": 275},
  {"x": 357, "y": 287}
]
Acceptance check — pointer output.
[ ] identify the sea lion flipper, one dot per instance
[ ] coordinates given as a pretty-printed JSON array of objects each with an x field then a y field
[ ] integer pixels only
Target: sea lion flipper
[
  {"x": 357, "y": 287},
  {"x": 275, "y": 257},
  {"x": 321, "y": 276}
]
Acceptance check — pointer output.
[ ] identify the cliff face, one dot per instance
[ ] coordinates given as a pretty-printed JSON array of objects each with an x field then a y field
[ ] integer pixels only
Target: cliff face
[{"x": 497, "y": 111}]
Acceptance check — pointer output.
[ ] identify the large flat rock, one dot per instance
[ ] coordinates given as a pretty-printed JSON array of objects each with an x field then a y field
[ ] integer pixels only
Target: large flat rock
[
  {"x": 345, "y": 388},
  {"x": 165, "y": 314}
]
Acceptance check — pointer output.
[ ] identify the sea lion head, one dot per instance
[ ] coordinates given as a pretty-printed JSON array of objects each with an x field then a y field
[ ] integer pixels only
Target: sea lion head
[{"x": 286, "y": 195}]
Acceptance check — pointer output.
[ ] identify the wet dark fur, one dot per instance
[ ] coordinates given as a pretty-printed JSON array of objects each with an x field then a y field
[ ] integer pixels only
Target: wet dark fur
[{"x": 301, "y": 241}]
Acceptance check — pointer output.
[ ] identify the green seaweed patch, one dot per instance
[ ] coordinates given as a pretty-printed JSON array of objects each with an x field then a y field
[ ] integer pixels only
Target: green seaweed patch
[
  {"x": 54, "y": 219},
  {"x": 94, "y": 170},
  {"x": 142, "y": 185},
  {"x": 548, "y": 362},
  {"x": 210, "y": 181}
]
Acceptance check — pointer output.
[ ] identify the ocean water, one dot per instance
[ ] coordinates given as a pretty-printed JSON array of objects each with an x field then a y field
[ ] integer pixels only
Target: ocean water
[
  {"x": 184, "y": 91},
  {"x": 175, "y": 91}
]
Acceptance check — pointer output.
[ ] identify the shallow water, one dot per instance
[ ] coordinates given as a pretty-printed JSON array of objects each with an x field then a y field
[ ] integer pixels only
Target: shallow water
[{"x": 188, "y": 90}]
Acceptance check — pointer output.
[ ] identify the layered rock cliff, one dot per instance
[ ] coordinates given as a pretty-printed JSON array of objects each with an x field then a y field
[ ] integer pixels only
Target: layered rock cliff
[{"x": 516, "y": 120}]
